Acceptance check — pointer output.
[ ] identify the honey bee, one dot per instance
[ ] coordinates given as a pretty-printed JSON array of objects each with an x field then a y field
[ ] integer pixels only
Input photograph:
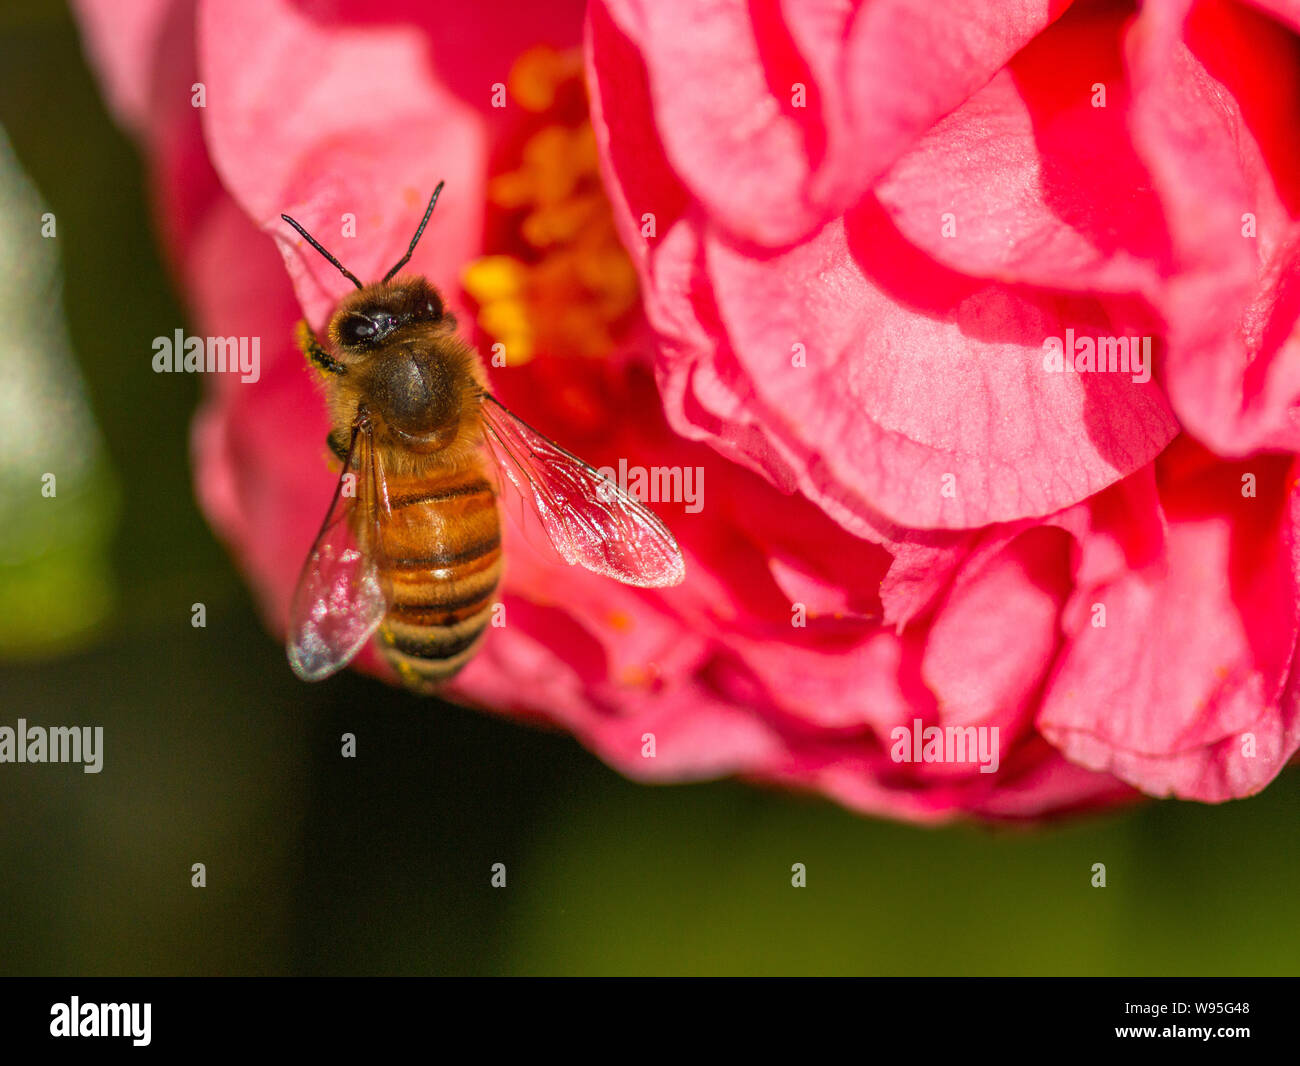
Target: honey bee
[{"x": 410, "y": 550}]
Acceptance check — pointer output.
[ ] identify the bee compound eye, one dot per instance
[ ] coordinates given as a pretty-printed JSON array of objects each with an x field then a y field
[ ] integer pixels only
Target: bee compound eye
[{"x": 356, "y": 330}]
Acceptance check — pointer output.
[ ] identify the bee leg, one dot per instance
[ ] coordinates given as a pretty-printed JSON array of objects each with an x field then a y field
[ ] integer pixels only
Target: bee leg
[{"x": 316, "y": 355}]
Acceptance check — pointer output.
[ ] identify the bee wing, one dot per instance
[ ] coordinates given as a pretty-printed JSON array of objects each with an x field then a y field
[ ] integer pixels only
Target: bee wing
[
  {"x": 342, "y": 594},
  {"x": 587, "y": 517}
]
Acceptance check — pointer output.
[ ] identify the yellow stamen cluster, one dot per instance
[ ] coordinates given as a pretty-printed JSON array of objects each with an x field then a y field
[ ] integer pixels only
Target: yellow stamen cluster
[{"x": 566, "y": 285}]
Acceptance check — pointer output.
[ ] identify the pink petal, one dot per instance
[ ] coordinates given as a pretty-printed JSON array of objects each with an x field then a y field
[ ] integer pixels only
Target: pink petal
[
  {"x": 991, "y": 645},
  {"x": 1214, "y": 120},
  {"x": 1198, "y": 641},
  {"x": 915, "y": 374},
  {"x": 776, "y": 119},
  {"x": 1036, "y": 182},
  {"x": 361, "y": 127}
]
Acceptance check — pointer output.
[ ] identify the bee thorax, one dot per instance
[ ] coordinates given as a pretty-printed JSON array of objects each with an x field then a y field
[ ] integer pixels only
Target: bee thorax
[{"x": 414, "y": 395}]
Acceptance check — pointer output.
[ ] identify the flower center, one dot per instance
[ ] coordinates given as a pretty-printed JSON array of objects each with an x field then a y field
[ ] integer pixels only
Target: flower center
[{"x": 557, "y": 281}]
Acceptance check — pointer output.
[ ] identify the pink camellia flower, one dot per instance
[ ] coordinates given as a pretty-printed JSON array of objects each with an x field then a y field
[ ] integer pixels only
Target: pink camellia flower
[{"x": 859, "y": 275}]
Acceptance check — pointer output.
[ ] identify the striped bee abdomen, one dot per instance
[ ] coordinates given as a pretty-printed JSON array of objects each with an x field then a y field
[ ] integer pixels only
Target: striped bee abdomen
[{"x": 442, "y": 556}]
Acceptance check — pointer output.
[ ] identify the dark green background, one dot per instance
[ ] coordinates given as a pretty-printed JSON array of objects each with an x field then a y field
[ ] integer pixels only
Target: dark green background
[{"x": 317, "y": 864}]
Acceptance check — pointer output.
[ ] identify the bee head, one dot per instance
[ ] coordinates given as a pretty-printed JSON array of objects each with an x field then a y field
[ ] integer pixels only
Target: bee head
[
  {"x": 367, "y": 319},
  {"x": 380, "y": 315}
]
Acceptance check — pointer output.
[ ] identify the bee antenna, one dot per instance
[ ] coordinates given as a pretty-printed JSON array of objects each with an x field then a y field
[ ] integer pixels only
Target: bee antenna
[
  {"x": 316, "y": 244},
  {"x": 416, "y": 239}
]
